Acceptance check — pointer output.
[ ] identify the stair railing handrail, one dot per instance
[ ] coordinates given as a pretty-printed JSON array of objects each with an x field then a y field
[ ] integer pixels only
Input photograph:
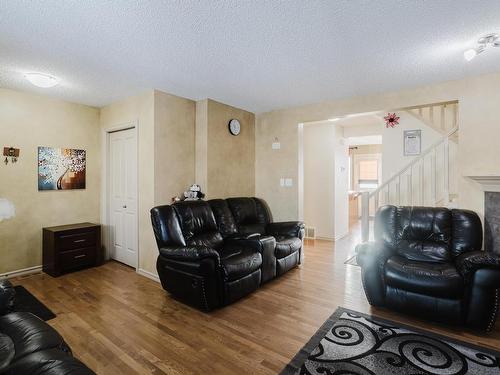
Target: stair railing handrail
[
  {"x": 366, "y": 196},
  {"x": 414, "y": 161}
]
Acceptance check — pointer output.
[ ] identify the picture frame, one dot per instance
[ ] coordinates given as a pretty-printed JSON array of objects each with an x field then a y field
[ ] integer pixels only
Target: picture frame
[
  {"x": 61, "y": 168},
  {"x": 412, "y": 142}
]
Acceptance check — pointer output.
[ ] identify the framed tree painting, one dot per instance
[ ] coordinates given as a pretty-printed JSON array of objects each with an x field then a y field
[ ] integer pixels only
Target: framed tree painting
[{"x": 61, "y": 168}]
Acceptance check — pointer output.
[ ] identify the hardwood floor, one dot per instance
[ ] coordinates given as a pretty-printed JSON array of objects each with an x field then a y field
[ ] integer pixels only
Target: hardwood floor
[{"x": 118, "y": 322}]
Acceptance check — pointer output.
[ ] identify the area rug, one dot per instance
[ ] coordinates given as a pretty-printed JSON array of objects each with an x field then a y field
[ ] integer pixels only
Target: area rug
[
  {"x": 350, "y": 342},
  {"x": 27, "y": 302}
]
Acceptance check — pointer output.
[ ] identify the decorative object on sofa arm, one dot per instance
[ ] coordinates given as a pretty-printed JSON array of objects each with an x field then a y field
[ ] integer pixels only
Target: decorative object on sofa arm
[
  {"x": 7, "y": 209},
  {"x": 194, "y": 193},
  {"x": 428, "y": 261},
  {"x": 12, "y": 153}
]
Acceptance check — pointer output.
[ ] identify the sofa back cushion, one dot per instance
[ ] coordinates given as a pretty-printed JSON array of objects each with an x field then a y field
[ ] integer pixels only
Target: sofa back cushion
[
  {"x": 198, "y": 224},
  {"x": 417, "y": 233},
  {"x": 166, "y": 227},
  {"x": 467, "y": 232},
  {"x": 424, "y": 233},
  {"x": 223, "y": 216},
  {"x": 250, "y": 215}
]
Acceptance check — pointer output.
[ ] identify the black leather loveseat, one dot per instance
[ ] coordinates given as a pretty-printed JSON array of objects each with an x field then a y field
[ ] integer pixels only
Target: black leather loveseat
[
  {"x": 428, "y": 262},
  {"x": 29, "y": 346},
  {"x": 209, "y": 262}
]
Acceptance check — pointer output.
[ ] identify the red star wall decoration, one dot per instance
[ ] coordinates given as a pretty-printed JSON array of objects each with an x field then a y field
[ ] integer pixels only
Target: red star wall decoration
[{"x": 391, "y": 120}]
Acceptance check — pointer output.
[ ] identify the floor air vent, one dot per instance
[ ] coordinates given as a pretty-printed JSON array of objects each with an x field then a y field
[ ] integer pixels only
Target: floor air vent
[{"x": 310, "y": 232}]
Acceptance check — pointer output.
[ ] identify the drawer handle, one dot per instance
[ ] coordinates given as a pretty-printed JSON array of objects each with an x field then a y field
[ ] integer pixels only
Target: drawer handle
[
  {"x": 76, "y": 241},
  {"x": 80, "y": 256}
]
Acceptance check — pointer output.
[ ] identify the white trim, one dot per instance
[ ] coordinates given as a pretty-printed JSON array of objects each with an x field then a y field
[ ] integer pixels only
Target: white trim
[
  {"x": 340, "y": 236},
  {"x": 21, "y": 272},
  {"x": 324, "y": 238},
  {"x": 487, "y": 182},
  {"x": 149, "y": 275},
  {"x": 105, "y": 183}
]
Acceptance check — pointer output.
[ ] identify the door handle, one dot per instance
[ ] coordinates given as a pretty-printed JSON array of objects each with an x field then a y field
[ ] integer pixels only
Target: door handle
[
  {"x": 124, "y": 206},
  {"x": 80, "y": 256}
]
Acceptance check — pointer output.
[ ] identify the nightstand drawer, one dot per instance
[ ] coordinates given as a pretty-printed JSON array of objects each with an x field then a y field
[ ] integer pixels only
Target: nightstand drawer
[
  {"x": 75, "y": 240},
  {"x": 77, "y": 258}
]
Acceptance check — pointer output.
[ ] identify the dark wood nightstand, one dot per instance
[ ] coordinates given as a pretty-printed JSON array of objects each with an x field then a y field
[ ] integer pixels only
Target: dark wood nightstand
[{"x": 67, "y": 248}]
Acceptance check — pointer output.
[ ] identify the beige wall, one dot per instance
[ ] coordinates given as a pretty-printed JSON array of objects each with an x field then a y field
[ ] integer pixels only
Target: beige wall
[
  {"x": 366, "y": 149},
  {"x": 230, "y": 160},
  {"x": 26, "y": 122},
  {"x": 137, "y": 111},
  {"x": 393, "y": 158},
  {"x": 478, "y": 149},
  {"x": 319, "y": 178},
  {"x": 165, "y": 126},
  {"x": 174, "y": 145}
]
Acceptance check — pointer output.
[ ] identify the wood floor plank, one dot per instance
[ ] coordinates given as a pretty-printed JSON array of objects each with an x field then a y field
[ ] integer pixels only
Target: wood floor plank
[{"x": 119, "y": 322}]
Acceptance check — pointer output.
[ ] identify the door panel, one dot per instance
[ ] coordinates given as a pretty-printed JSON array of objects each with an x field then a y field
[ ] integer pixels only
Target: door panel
[{"x": 123, "y": 196}]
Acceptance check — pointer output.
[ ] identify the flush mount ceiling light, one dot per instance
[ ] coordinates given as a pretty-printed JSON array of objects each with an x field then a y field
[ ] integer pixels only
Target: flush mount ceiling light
[
  {"x": 487, "y": 41},
  {"x": 41, "y": 80}
]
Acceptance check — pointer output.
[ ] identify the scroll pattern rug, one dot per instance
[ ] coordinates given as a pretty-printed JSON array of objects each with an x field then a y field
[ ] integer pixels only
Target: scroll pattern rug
[{"x": 353, "y": 343}]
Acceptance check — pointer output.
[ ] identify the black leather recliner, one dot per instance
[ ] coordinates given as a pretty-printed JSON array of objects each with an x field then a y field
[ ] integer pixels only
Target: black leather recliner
[
  {"x": 29, "y": 346},
  {"x": 209, "y": 260},
  {"x": 428, "y": 262},
  {"x": 195, "y": 263}
]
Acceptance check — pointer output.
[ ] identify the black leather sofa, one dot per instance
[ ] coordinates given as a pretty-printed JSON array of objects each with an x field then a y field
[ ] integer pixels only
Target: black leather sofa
[
  {"x": 428, "y": 262},
  {"x": 28, "y": 345},
  {"x": 212, "y": 255}
]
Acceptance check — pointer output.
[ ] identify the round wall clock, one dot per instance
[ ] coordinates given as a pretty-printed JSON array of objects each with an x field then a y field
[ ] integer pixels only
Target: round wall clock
[{"x": 234, "y": 126}]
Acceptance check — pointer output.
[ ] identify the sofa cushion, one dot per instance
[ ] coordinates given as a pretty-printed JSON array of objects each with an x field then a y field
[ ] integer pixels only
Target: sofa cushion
[
  {"x": 238, "y": 262},
  {"x": 7, "y": 351},
  {"x": 286, "y": 245},
  {"x": 424, "y": 233},
  {"x": 49, "y": 362},
  {"x": 433, "y": 279},
  {"x": 30, "y": 334},
  {"x": 244, "y": 210},
  {"x": 198, "y": 224},
  {"x": 223, "y": 217}
]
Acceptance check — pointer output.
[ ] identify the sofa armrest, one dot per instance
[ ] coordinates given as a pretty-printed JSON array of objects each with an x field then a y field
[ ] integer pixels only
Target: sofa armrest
[
  {"x": 239, "y": 236},
  {"x": 369, "y": 251},
  {"x": 468, "y": 263},
  {"x": 256, "y": 243},
  {"x": 190, "y": 253},
  {"x": 372, "y": 256},
  {"x": 7, "y": 294},
  {"x": 286, "y": 228}
]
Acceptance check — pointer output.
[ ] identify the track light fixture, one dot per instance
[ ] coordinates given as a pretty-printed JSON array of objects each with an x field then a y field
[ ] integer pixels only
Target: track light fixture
[{"x": 487, "y": 41}]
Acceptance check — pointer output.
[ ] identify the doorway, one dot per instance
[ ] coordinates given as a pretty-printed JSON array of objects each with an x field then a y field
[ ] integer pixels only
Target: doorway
[{"x": 122, "y": 196}]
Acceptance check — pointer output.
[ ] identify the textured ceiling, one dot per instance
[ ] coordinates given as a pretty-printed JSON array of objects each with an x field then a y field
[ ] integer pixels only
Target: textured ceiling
[{"x": 254, "y": 54}]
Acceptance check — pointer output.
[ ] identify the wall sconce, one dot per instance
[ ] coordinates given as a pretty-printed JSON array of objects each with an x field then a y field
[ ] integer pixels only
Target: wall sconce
[{"x": 12, "y": 153}]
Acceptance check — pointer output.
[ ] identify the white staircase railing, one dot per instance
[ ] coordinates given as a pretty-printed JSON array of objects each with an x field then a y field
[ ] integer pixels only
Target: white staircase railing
[{"x": 428, "y": 180}]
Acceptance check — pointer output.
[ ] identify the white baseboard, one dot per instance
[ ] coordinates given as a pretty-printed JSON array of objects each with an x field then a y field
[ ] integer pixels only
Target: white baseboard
[
  {"x": 21, "y": 272},
  {"x": 149, "y": 275},
  {"x": 340, "y": 236},
  {"x": 325, "y": 238}
]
